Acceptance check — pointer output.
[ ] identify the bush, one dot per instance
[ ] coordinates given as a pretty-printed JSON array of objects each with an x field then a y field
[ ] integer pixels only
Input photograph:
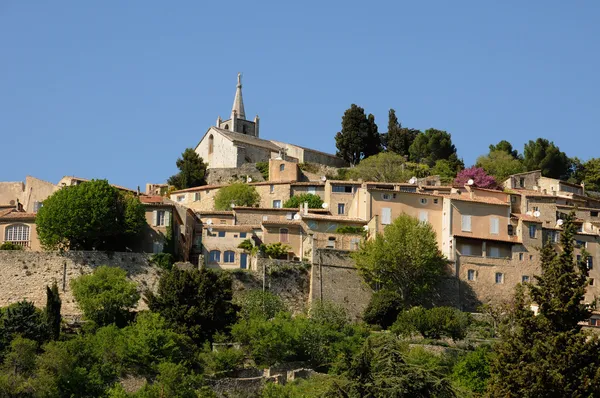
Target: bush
[
  {"x": 433, "y": 323},
  {"x": 314, "y": 201},
  {"x": 222, "y": 361},
  {"x": 239, "y": 194},
  {"x": 473, "y": 371},
  {"x": 276, "y": 250},
  {"x": 106, "y": 296},
  {"x": 259, "y": 304},
  {"x": 10, "y": 246},
  {"x": 350, "y": 230},
  {"x": 263, "y": 167},
  {"x": 162, "y": 260},
  {"x": 383, "y": 309}
]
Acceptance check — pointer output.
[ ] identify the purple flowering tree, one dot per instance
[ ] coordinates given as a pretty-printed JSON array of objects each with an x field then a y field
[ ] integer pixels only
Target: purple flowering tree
[{"x": 480, "y": 178}]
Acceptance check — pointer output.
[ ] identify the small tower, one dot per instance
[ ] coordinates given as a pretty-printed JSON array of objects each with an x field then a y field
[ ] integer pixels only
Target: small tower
[
  {"x": 237, "y": 123},
  {"x": 238, "y": 101}
]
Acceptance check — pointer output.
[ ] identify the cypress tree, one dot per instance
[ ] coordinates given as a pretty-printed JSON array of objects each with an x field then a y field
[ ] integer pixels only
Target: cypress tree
[
  {"x": 548, "y": 354},
  {"x": 52, "y": 311}
]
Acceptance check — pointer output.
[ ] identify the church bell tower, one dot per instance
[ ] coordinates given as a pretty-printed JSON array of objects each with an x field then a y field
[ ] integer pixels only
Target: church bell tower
[{"x": 237, "y": 122}]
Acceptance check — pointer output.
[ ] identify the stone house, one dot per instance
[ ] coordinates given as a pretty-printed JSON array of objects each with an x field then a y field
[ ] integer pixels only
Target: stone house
[{"x": 18, "y": 227}]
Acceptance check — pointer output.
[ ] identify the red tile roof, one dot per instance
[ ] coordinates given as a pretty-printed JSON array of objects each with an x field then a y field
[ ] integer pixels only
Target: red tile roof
[
  {"x": 152, "y": 199},
  {"x": 526, "y": 217},
  {"x": 223, "y": 227},
  {"x": 16, "y": 215},
  {"x": 332, "y": 218},
  {"x": 479, "y": 199},
  {"x": 514, "y": 239}
]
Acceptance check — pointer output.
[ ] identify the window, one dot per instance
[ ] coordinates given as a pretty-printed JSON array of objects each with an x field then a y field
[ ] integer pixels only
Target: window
[
  {"x": 157, "y": 247},
  {"x": 221, "y": 234},
  {"x": 593, "y": 214},
  {"x": 493, "y": 251},
  {"x": 312, "y": 190},
  {"x": 581, "y": 243},
  {"x": 211, "y": 142},
  {"x": 284, "y": 235},
  {"x": 466, "y": 250},
  {"x": 229, "y": 256},
  {"x": 214, "y": 256},
  {"x": 272, "y": 188},
  {"x": 386, "y": 215},
  {"x": 37, "y": 206},
  {"x": 223, "y": 222},
  {"x": 423, "y": 201},
  {"x": 513, "y": 199},
  {"x": 522, "y": 182},
  {"x": 466, "y": 223},
  {"x": 535, "y": 208},
  {"x": 354, "y": 243},
  {"x": 331, "y": 242},
  {"x": 590, "y": 262},
  {"x": 196, "y": 196},
  {"x": 593, "y": 321},
  {"x": 160, "y": 218},
  {"x": 341, "y": 208},
  {"x": 386, "y": 196},
  {"x": 531, "y": 257},
  {"x": 511, "y": 230},
  {"x": 342, "y": 189},
  {"x": 17, "y": 233},
  {"x": 423, "y": 216},
  {"x": 499, "y": 277},
  {"x": 521, "y": 256},
  {"x": 471, "y": 275},
  {"x": 180, "y": 198},
  {"x": 243, "y": 235},
  {"x": 277, "y": 204},
  {"x": 281, "y": 167},
  {"x": 591, "y": 281},
  {"x": 435, "y": 201},
  {"x": 525, "y": 278},
  {"x": 494, "y": 225},
  {"x": 532, "y": 230}
]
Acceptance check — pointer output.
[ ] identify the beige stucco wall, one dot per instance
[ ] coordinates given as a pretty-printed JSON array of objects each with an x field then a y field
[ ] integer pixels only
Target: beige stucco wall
[
  {"x": 481, "y": 214},
  {"x": 290, "y": 171},
  {"x": 295, "y": 237},
  {"x": 280, "y": 192},
  {"x": 36, "y": 190},
  {"x": 316, "y": 189},
  {"x": 229, "y": 242},
  {"x": 34, "y": 242},
  {"x": 224, "y": 154},
  {"x": 10, "y": 192}
]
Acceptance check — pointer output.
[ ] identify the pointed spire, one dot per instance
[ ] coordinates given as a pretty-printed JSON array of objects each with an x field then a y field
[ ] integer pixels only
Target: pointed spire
[{"x": 238, "y": 102}]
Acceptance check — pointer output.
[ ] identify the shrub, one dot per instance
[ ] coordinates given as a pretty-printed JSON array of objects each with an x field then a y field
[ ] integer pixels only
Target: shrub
[
  {"x": 350, "y": 230},
  {"x": 259, "y": 304},
  {"x": 383, "y": 309},
  {"x": 10, "y": 246},
  {"x": 276, "y": 250},
  {"x": 314, "y": 201},
  {"x": 473, "y": 371},
  {"x": 239, "y": 194},
  {"x": 433, "y": 323},
  {"x": 162, "y": 260},
  {"x": 222, "y": 361},
  {"x": 263, "y": 167}
]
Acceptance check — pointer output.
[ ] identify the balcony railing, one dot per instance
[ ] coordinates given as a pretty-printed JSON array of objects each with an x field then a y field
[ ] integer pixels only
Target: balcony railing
[{"x": 23, "y": 243}]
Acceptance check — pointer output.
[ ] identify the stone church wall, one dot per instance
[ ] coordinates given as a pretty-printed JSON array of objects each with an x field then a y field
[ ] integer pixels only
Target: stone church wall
[
  {"x": 224, "y": 153},
  {"x": 25, "y": 275}
]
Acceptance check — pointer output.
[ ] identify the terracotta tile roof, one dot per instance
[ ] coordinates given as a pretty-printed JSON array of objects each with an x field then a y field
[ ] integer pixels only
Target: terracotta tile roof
[
  {"x": 281, "y": 209},
  {"x": 282, "y": 222},
  {"x": 333, "y": 218},
  {"x": 531, "y": 193},
  {"x": 216, "y": 186},
  {"x": 215, "y": 213},
  {"x": 486, "y": 189},
  {"x": 478, "y": 199},
  {"x": 17, "y": 215},
  {"x": 152, "y": 199},
  {"x": 112, "y": 185},
  {"x": 344, "y": 182},
  {"x": 526, "y": 217},
  {"x": 514, "y": 239},
  {"x": 241, "y": 228},
  {"x": 405, "y": 192},
  {"x": 308, "y": 183},
  {"x": 3, "y": 212}
]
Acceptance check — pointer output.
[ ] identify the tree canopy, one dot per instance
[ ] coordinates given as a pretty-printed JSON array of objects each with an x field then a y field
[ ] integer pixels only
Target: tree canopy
[
  {"x": 359, "y": 137},
  {"x": 548, "y": 354},
  {"x": 500, "y": 164},
  {"x": 399, "y": 139},
  {"x": 506, "y": 147},
  {"x": 405, "y": 259},
  {"x": 90, "y": 216},
  {"x": 434, "y": 145},
  {"x": 238, "y": 194},
  {"x": 387, "y": 167},
  {"x": 543, "y": 155},
  {"x": 314, "y": 201},
  {"x": 478, "y": 176},
  {"x": 192, "y": 171}
]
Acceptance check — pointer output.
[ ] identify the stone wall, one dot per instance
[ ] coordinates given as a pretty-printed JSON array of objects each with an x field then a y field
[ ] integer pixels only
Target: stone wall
[
  {"x": 228, "y": 175},
  {"x": 25, "y": 275},
  {"x": 334, "y": 278}
]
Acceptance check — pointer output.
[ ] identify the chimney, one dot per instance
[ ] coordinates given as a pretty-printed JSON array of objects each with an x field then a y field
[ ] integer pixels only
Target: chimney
[{"x": 305, "y": 208}]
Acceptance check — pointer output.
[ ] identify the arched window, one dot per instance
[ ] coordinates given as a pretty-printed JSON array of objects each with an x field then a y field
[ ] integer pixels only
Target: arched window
[
  {"x": 211, "y": 144},
  {"x": 284, "y": 235},
  {"x": 229, "y": 256},
  {"x": 226, "y": 127},
  {"x": 214, "y": 256},
  {"x": 18, "y": 233}
]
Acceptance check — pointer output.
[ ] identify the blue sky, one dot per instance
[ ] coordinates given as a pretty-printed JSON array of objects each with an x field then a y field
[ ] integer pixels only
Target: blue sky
[{"x": 118, "y": 90}]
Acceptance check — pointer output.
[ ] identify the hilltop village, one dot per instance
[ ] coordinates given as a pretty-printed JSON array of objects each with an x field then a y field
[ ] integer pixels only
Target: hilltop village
[{"x": 490, "y": 237}]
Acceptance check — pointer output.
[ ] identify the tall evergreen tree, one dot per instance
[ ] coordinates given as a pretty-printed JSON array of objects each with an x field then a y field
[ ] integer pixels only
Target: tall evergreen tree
[
  {"x": 359, "y": 137},
  {"x": 52, "y": 311},
  {"x": 192, "y": 171},
  {"x": 505, "y": 146},
  {"x": 398, "y": 138},
  {"x": 543, "y": 155},
  {"x": 549, "y": 355}
]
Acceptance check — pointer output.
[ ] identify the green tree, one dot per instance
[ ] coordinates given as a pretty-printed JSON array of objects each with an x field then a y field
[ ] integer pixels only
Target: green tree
[
  {"x": 506, "y": 147},
  {"x": 259, "y": 304},
  {"x": 405, "y": 259},
  {"x": 196, "y": 303},
  {"x": 314, "y": 201},
  {"x": 445, "y": 169},
  {"x": 543, "y": 155},
  {"x": 548, "y": 354},
  {"x": 384, "y": 308},
  {"x": 106, "y": 296},
  {"x": 192, "y": 171},
  {"x": 18, "y": 368},
  {"x": 434, "y": 145},
  {"x": 238, "y": 194},
  {"x": 90, "y": 216},
  {"x": 52, "y": 311},
  {"x": 359, "y": 137},
  {"x": 433, "y": 323},
  {"x": 25, "y": 320},
  {"x": 275, "y": 250},
  {"x": 500, "y": 164},
  {"x": 473, "y": 371},
  {"x": 398, "y": 138},
  {"x": 588, "y": 173},
  {"x": 385, "y": 167}
]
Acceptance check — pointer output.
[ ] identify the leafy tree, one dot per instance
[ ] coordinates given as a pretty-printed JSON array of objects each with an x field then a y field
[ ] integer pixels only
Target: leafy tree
[
  {"x": 500, "y": 164},
  {"x": 275, "y": 250},
  {"x": 548, "y": 354},
  {"x": 359, "y": 137},
  {"x": 259, "y": 304},
  {"x": 387, "y": 167},
  {"x": 479, "y": 177},
  {"x": 543, "y": 155},
  {"x": 473, "y": 371},
  {"x": 25, "y": 320},
  {"x": 192, "y": 171},
  {"x": 52, "y": 311},
  {"x": 433, "y": 323},
  {"x": 196, "y": 302},
  {"x": 399, "y": 139},
  {"x": 405, "y": 258},
  {"x": 587, "y": 173},
  {"x": 506, "y": 147},
  {"x": 263, "y": 167},
  {"x": 445, "y": 169},
  {"x": 314, "y": 201},
  {"x": 17, "y": 368},
  {"x": 238, "y": 194},
  {"x": 92, "y": 215},
  {"x": 434, "y": 145},
  {"x": 381, "y": 370},
  {"x": 106, "y": 296},
  {"x": 384, "y": 308}
]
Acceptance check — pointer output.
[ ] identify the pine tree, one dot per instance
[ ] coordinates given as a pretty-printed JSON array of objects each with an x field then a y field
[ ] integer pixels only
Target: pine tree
[
  {"x": 548, "y": 354},
  {"x": 192, "y": 171},
  {"x": 359, "y": 137},
  {"x": 52, "y": 311},
  {"x": 399, "y": 139}
]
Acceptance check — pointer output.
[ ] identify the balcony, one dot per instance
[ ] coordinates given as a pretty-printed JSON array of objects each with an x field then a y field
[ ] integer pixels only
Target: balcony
[{"x": 25, "y": 244}]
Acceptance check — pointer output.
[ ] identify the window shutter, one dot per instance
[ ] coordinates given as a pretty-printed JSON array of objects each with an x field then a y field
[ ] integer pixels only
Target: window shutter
[
  {"x": 386, "y": 215},
  {"x": 466, "y": 223},
  {"x": 423, "y": 216},
  {"x": 494, "y": 225},
  {"x": 154, "y": 218},
  {"x": 167, "y": 218}
]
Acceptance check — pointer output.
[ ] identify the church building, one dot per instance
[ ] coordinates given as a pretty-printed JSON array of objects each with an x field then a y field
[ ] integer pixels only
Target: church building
[{"x": 235, "y": 141}]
